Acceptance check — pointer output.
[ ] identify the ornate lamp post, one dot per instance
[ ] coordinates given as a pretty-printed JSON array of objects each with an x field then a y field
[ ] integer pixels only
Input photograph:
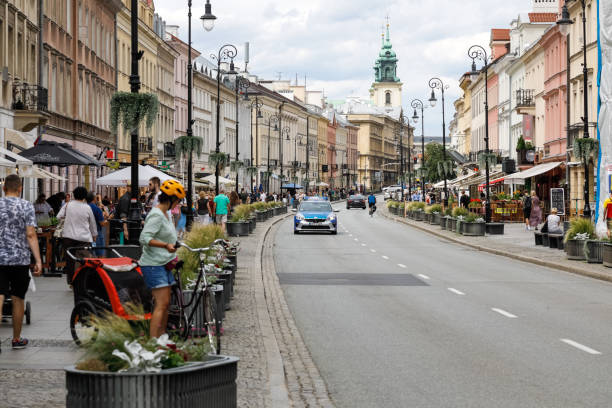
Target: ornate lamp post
[
  {"x": 418, "y": 104},
  {"x": 282, "y": 131},
  {"x": 241, "y": 85},
  {"x": 436, "y": 83},
  {"x": 257, "y": 106},
  {"x": 477, "y": 52},
  {"x": 208, "y": 22},
  {"x": 272, "y": 119},
  {"x": 227, "y": 52},
  {"x": 298, "y": 138},
  {"x": 135, "y": 212},
  {"x": 564, "y": 24}
]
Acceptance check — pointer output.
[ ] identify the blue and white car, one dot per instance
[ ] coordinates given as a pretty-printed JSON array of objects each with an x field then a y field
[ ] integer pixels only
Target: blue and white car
[{"x": 315, "y": 214}]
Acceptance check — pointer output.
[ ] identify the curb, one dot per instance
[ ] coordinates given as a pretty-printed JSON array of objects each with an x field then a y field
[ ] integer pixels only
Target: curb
[{"x": 536, "y": 261}]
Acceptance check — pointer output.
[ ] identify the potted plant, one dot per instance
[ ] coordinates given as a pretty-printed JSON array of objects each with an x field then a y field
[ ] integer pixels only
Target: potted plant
[
  {"x": 445, "y": 219},
  {"x": 391, "y": 206},
  {"x": 400, "y": 209},
  {"x": 473, "y": 226},
  {"x": 459, "y": 213},
  {"x": 124, "y": 361},
  {"x": 581, "y": 230},
  {"x": 239, "y": 223},
  {"x": 419, "y": 211},
  {"x": 435, "y": 211},
  {"x": 607, "y": 253},
  {"x": 427, "y": 215},
  {"x": 593, "y": 250}
]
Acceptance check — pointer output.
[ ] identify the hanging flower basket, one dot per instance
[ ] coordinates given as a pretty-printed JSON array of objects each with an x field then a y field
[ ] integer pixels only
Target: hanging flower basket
[
  {"x": 236, "y": 165},
  {"x": 218, "y": 159},
  {"x": 251, "y": 170},
  {"x": 487, "y": 158},
  {"x": 130, "y": 109},
  {"x": 185, "y": 145},
  {"x": 584, "y": 147}
]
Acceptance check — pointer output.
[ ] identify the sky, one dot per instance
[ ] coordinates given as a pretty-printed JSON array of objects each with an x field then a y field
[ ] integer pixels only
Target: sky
[{"x": 333, "y": 44}]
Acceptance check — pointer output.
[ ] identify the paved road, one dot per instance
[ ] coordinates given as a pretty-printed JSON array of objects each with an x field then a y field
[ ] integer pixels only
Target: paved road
[{"x": 472, "y": 330}]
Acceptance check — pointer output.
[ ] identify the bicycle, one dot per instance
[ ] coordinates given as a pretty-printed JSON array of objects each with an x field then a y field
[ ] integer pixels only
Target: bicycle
[{"x": 181, "y": 324}]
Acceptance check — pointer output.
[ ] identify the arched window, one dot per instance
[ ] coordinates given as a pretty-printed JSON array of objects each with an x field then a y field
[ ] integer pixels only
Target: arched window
[{"x": 387, "y": 98}]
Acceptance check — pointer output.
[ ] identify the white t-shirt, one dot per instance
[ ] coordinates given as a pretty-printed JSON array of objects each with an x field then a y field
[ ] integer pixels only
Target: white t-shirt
[{"x": 553, "y": 222}]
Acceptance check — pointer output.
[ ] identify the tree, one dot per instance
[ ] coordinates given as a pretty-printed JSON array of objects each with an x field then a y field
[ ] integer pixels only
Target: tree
[{"x": 434, "y": 162}]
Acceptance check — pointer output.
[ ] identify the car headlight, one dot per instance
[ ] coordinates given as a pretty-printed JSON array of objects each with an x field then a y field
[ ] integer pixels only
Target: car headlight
[
  {"x": 299, "y": 217},
  {"x": 331, "y": 217}
]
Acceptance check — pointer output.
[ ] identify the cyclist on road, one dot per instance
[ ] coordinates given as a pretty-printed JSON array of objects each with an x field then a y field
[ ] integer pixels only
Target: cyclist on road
[
  {"x": 372, "y": 203},
  {"x": 158, "y": 239}
]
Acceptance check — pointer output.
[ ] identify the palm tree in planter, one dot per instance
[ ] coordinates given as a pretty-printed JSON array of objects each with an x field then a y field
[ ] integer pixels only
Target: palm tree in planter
[
  {"x": 580, "y": 231},
  {"x": 123, "y": 359}
]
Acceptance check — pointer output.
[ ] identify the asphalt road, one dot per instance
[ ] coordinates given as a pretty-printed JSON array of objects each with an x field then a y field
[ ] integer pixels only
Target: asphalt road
[{"x": 472, "y": 330}]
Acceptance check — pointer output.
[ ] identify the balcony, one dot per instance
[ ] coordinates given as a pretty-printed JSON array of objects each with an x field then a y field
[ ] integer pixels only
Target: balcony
[
  {"x": 29, "y": 106},
  {"x": 525, "y": 102}
]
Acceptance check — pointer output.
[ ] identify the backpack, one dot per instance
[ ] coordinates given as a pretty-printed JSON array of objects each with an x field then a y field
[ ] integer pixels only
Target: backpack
[{"x": 527, "y": 203}]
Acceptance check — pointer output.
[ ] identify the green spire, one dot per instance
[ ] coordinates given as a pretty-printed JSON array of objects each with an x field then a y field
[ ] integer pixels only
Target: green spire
[{"x": 385, "y": 68}]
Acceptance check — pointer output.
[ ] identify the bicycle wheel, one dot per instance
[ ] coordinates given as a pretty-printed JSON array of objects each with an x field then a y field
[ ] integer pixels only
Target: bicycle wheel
[
  {"x": 213, "y": 325},
  {"x": 177, "y": 322},
  {"x": 81, "y": 329}
]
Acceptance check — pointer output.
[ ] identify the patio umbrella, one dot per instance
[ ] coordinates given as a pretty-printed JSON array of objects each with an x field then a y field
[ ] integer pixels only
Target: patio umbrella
[
  {"x": 57, "y": 154},
  {"x": 323, "y": 184},
  {"x": 292, "y": 186},
  {"x": 123, "y": 177},
  {"x": 222, "y": 180}
]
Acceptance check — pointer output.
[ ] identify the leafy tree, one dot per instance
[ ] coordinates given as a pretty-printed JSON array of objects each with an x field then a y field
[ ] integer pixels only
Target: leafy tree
[{"x": 433, "y": 158}]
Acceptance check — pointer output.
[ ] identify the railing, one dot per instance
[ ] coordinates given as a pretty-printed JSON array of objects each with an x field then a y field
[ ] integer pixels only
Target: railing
[
  {"x": 30, "y": 97},
  {"x": 524, "y": 98}
]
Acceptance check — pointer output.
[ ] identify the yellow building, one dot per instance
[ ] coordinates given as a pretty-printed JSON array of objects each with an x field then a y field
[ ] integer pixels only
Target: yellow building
[{"x": 463, "y": 107}]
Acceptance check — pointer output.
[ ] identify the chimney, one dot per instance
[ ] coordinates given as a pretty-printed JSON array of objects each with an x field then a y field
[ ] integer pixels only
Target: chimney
[{"x": 500, "y": 42}]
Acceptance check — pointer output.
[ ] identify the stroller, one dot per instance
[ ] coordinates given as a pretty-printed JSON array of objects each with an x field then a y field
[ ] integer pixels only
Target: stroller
[
  {"x": 105, "y": 284},
  {"x": 7, "y": 310}
]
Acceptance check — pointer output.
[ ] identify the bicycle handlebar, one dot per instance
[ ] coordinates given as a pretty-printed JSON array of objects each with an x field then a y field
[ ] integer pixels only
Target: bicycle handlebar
[
  {"x": 87, "y": 248},
  {"x": 200, "y": 250}
]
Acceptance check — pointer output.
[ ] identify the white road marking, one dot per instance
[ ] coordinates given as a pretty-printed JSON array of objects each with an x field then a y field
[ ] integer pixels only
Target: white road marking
[
  {"x": 504, "y": 313},
  {"x": 363, "y": 244},
  {"x": 579, "y": 346},
  {"x": 356, "y": 239},
  {"x": 423, "y": 276},
  {"x": 373, "y": 250},
  {"x": 457, "y": 292},
  {"x": 385, "y": 257},
  {"x": 350, "y": 235},
  {"x": 402, "y": 265}
]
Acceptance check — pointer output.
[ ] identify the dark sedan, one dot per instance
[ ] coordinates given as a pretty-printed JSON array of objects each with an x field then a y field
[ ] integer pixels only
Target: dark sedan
[{"x": 356, "y": 201}]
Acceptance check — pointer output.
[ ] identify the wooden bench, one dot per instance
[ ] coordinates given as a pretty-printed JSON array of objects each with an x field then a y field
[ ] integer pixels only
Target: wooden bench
[
  {"x": 538, "y": 237},
  {"x": 555, "y": 241}
]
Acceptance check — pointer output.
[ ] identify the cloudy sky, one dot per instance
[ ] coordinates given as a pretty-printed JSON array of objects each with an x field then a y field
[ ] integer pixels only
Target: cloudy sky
[{"x": 334, "y": 43}]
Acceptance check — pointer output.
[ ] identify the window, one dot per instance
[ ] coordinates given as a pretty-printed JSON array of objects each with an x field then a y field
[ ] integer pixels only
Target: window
[
  {"x": 69, "y": 16},
  {"x": 387, "y": 98}
]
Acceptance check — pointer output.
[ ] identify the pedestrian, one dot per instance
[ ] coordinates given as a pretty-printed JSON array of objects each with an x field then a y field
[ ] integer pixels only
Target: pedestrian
[
  {"x": 222, "y": 208},
  {"x": 66, "y": 200},
  {"x": 158, "y": 238},
  {"x": 122, "y": 210},
  {"x": 18, "y": 242},
  {"x": 243, "y": 196},
  {"x": 56, "y": 201},
  {"x": 608, "y": 213},
  {"x": 234, "y": 199},
  {"x": 100, "y": 221},
  {"x": 464, "y": 200},
  {"x": 80, "y": 228},
  {"x": 181, "y": 224},
  {"x": 202, "y": 208},
  {"x": 535, "y": 218},
  {"x": 553, "y": 221},
  {"x": 153, "y": 197},
  {"x": 43, "y": 210},
  {"x": 527, "y": 210}
]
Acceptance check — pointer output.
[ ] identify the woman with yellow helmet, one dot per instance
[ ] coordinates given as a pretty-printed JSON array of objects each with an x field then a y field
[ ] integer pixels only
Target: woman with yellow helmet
[{"x": 158, "y": 239}]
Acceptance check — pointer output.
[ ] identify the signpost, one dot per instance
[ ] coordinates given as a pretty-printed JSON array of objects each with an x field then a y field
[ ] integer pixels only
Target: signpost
[{"x": 557, "y": 200}]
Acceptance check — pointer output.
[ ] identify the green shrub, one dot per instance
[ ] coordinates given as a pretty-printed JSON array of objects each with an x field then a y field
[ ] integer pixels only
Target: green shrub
[
  {"x": 580, "y": 226},
  {"x": 392, "y": 204},
  {"x": 241, "y": 213},
  {"x": 419, "y": 205},
  {"x": 259, "y": 206},
  {"x": 401, "y": 206},
  {"x": 436, "y": 208},
  {"x": 448, "y": 212},
  {"x": 475, "y": 204},
  {"x": 470, "y": 218},
  {"x": 200, "y": 236},
  {"x": 460, "y": 211}
]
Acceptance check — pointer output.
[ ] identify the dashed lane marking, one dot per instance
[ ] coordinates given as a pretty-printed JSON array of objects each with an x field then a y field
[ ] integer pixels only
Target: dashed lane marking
[
  {"x": 579, "y": 346},
  {"x": 424, "y": 276},
  {"x": 402, "y": 265},
  {"x": 456, "y": 292},
  {"x": 504, "y": 313},
  {"x": 373, "y": 251},
  {"x": 385, "y": 257}
]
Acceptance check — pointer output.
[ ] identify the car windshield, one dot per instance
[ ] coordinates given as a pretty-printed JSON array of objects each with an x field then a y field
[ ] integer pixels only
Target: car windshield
[
  {"x": 315, "y": 207},
  {"x": 356, "y": 197}
]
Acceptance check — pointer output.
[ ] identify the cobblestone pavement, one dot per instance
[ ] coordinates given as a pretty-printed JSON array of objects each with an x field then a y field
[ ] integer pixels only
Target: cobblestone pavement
[
  {"x": 306, "y": 386},
  {"x": 516, "y": 243}
]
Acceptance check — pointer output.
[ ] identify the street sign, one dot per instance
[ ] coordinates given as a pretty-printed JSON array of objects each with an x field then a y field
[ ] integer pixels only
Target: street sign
[{"x": 557, "y": 200}]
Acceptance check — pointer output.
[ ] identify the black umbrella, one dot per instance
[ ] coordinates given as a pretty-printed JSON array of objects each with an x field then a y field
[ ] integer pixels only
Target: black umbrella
[{"x": 57, "y": 154}]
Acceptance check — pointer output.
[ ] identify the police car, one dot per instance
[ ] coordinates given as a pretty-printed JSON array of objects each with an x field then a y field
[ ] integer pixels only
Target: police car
[{"x": 315, "y": 214}]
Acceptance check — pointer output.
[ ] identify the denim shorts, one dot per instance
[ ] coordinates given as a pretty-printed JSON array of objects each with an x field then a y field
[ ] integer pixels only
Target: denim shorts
[{"x": 157, "y": 276}]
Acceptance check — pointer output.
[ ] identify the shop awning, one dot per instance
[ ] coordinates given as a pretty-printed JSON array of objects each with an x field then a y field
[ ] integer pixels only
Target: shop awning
[
  {"x": 491, "y": 182},
  {"x": 463, "y": 180},
  {"x": 57, "y": 154},
  {"x": 519, "y": 178}
]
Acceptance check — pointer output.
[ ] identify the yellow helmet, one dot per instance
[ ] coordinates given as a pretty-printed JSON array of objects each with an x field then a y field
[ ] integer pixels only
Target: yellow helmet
[{"x": 173, "y": 189}]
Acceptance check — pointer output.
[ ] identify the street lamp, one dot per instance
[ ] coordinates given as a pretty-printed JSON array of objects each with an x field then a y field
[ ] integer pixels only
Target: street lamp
[
  {"x": 272, "y": 119},
  {"x": 298, "y": 138},
  {"x": 436, "y": 83},
  {"x": 477, "y": 52},
  {"x": 241, "y": 85},
  {"x": 418, "y": 104},
  {"x": 564, "y": 23},
  {"x": 226, "y": 52},
  {"x": 135, "y": 211},
  {"x": 257, "y": 106},
  {"x": 208, "y": 19},
  {"x": 283, "y": 131}
]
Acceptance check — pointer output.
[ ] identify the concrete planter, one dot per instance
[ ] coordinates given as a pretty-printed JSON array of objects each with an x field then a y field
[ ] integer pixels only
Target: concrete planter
[
  {"x": 459, "y": 225},
  {"x": 607, "y": 255},
  {"x": 474, "y": 229},
  {"x": 207, "y": 384},
  {"x": 260, "y": 216},
  {"x": 575, "y": 249},
  {"x": 252, "y": 223},
  {"x": 451, "y": 224},
  {"x": 393, "y": 210},
  {"x": 237, "y": 229},
  {"x": 594, "y": 251},
  {"x": 277, "y": 211},
  {"x": 419, "y": 215},
  {"x": 219, "y": 302},
  {"x": 495, "y": 228},
  {"x": 443, "y": 221},
  {"x": 434, "y": 219},
  {"x": 199, "y": 323}
]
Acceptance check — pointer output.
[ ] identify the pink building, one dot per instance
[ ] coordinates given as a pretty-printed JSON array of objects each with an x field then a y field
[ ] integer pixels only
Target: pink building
[
  {"x": 555, "y": 92},
  {"x": 493, "y": 91}
]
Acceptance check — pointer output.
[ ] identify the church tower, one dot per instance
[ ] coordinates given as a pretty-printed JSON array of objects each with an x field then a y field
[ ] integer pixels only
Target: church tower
[{"x": 386, "y": 90}]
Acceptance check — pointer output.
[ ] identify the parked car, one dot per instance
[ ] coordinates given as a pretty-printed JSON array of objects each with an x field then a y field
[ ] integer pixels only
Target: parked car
[
  {"x": 356, "y": 201},
  {"x": 389, "y": 192}
]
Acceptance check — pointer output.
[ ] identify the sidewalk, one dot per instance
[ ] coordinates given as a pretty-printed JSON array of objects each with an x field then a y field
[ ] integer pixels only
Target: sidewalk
[
  {"x": 34, "y": 377},
  {"x": 516, "y": 243}
]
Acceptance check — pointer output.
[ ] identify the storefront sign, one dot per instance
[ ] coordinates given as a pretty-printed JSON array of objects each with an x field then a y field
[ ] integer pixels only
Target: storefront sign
[{"x": 557, "y": 200}]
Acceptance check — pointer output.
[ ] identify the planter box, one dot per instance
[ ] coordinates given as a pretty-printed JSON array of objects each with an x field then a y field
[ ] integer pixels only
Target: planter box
[
  {"x": 252, "y": 224},
  {"x": 419, "y": 215},
  {"x": 607, "y": 255},
  {"x": 474, "y": 229},
  {"x": 495, "y": 228},
  {"x": 459, "y": 225},
  {"x": 199, "y": 323},
  {"x": 260, "y": 216},
  {"x": 575, "y": 249},
  {"x": 451, "y": 224},
  {"x": 220, "y": 303},
  {"x": 443, "y": 223},
  {"x": 393, "y": 210},
  {"x": 206, "y": 384},
  {"x": 594, "y": 251},
  {"x": 277, "y": 211},
  {"x": 237, "y": 229},
  {"x": 434, "y": 219}
]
